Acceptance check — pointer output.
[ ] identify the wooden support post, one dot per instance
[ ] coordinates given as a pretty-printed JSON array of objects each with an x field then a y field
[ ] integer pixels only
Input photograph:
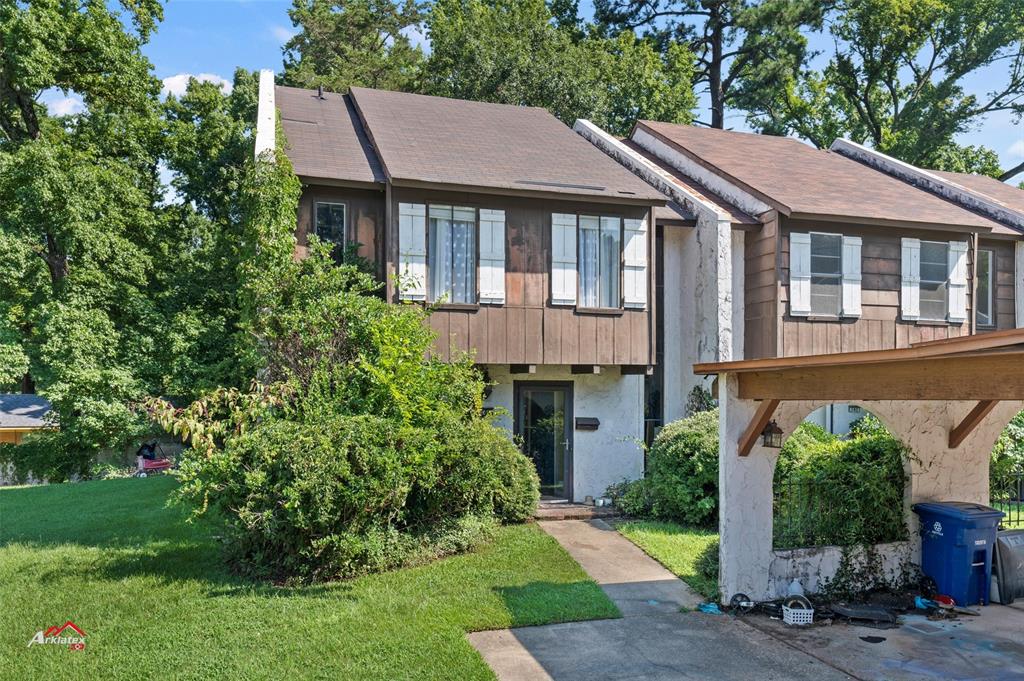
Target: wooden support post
[
  {"x": 764, "y": 413},
  {"x": 970, "y": 422}
]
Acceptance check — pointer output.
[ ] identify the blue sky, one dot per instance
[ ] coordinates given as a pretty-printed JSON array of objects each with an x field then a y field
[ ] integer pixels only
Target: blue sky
[{"x": 209, "y": 38}]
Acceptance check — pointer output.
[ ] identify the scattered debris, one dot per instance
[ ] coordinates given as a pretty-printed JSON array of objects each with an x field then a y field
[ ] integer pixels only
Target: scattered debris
[
  {"x": 710, "y": 608},
  {"x": 872, "y": 639}
]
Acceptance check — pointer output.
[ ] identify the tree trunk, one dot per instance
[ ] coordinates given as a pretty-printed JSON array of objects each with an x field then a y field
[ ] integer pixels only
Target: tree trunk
[
  {"x": 28, "y": 386},
  {"x": 715, "y": 70}
]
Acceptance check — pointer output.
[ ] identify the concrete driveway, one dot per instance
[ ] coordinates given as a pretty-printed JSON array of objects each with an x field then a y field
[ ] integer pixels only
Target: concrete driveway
[
  {"x": 653, "y": 640},
  {"x": 989, "y": 647}
]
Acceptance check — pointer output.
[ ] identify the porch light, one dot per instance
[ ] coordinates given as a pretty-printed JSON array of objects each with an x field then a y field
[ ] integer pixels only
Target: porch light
[{"x": 771, "y": 436}]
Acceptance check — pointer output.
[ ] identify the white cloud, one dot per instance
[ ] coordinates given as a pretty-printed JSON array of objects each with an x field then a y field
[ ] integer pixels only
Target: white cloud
[
  {"x": 1016, "y": 150},
  {"x": 60, "y": 104},
  {"x": 176, "y": 84},
  {"x": 282, "y": 34}
]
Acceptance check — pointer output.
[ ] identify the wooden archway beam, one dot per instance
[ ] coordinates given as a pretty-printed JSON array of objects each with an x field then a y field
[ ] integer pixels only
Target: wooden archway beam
[
  {"x": 970, "y": 422},
  {"x": 762, "y": 416}
]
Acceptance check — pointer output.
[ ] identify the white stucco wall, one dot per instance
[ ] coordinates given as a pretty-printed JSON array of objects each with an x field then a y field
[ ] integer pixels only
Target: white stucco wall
[
  {"x": 813, "y": 567},
  {"x": 602, "y": 457},
  {"x": 937, "y": 473}
]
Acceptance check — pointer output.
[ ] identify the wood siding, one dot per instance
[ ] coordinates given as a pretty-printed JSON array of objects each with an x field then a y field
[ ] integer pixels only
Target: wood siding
[
  {"x": 761, "y": 291},
  {"x": 1003, "y": 300},
  {"x": 880, "y": 326},
  {"x": 527, "y": 329},
  {"x": 364, "y": 215}
]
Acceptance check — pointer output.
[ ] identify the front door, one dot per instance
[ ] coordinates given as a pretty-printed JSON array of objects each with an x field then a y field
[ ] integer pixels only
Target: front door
[{"x": 543, "y": 420}]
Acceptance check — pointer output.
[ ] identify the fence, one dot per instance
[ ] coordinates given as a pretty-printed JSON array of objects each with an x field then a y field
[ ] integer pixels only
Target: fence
[
  {"x": 810, "y": 513},
  {"x": 1007, "y": 494}
]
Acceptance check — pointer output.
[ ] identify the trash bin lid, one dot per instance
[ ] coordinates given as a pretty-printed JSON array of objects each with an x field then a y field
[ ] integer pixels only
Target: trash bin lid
[{"x": 963, "y": 510}]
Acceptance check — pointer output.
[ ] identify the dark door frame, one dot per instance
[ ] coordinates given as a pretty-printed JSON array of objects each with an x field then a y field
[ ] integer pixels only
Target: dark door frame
[{"x": 517, "y": 388}]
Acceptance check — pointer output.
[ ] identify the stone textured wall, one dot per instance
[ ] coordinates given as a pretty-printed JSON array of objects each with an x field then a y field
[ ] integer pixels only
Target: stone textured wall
[
  {"x": 937, "y": 473},
  {"x": 608, "y": 455}
]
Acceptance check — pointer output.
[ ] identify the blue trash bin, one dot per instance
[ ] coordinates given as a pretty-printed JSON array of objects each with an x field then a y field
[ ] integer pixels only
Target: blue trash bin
[{"x": 957, "y": 539}]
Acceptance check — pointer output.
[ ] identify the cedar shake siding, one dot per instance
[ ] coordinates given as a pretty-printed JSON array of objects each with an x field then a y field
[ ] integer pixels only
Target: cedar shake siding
[{"x": 375, "y": 152}]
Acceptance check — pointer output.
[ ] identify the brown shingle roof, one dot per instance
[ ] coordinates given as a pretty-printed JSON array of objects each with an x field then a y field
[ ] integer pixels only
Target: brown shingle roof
[
  {"x": 738, "y": 216},
  {"x": 801, "y": 179},
  {"x": 325, "y": 138},
  {"x": 477, "y": 144},
  {"x": 1009, "y": 196}
]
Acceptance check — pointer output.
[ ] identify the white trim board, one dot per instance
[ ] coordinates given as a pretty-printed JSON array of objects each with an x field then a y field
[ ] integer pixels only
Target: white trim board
[{"x": 266, "y": 114}]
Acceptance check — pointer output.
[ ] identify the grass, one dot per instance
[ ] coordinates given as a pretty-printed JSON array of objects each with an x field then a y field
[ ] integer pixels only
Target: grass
[
  {"x": 155, "y": 600},
  {"x": 1014, "y": 511},
  {"x": 675, "y": 546}
]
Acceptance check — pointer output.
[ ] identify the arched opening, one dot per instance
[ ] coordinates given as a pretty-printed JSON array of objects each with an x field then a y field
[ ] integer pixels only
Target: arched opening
[
  {"x": 845, "y": 488},
  {"x": 1006, "y": 474}
]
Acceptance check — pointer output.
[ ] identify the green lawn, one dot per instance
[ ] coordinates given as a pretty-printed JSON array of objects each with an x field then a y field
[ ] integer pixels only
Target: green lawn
[
  {"x": 153, "y": 598},
  {"x": 674, "y": 546}
]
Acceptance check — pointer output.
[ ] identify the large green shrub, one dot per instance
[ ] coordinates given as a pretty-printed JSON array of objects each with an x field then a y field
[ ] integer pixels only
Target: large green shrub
[
  {"x": 835, "y": 491},
  {"x": 682, "y": 479}
]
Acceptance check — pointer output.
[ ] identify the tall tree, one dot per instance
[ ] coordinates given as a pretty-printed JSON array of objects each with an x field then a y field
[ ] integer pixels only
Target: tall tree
[
  {"x": 342, "y": 43},
  {"x": 76, "y": 215},
  {"x": 734, "y": 41},
  {"x": 897, "y": 79},
  {"x": 515, "y": 52}
]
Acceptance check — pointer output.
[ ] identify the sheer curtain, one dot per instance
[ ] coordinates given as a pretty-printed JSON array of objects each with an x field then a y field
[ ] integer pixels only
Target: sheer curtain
[
  {"x": 610, "y": 260},
  {"x": 453, "y": 254},
  {"x": 590, "y": 261}
]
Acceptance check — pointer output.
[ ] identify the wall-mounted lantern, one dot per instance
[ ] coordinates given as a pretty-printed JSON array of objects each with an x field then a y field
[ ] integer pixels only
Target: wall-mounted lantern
[{"x": 771, "y": 436}]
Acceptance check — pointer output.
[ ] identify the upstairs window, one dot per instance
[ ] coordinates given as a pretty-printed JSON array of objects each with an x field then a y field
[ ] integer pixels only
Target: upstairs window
[
  {"x": 983, "y": 305},
  {"x": 934, "y": 280},
  {"x": 600, "y": 261},
  {"x": 451, "y": 251},
  {"x": 826, "y": 274},
  {"x": 330, "y": 223}
]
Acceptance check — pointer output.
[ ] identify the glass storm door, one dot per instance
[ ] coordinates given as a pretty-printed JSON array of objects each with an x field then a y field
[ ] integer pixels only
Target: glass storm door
[{"x": 543, "y": 417}]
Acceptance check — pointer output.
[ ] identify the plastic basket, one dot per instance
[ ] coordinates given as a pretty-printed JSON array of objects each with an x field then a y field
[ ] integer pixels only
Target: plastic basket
[{"x": 799, "y": 617}]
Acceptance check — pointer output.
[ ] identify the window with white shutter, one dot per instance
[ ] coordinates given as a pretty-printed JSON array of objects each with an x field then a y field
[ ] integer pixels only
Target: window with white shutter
[
  {"x": 634, "y": 262},
  {"x": 933, "y": 281},
  {"x": 492, "y": 256},
  {"x": 957, "y": 281},
  {"x": 563, "y": 259},
  {"x": 851, "y": 276},
  {"x": 910, "y": 291},
  {"x": 799, "y": 274},
  {"x": 412, "y": 251},
  {"x": 452, "y": 254}
]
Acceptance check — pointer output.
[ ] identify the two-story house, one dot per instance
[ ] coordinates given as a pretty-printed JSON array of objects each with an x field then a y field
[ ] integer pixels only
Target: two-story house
[
  {"x": 782, "y": 249},
  {"x": 533, "y": 246}
]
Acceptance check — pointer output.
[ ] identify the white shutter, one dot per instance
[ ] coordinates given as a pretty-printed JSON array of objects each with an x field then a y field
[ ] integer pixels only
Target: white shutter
[
  {"x": 634, "y": 262},
  {"x": 910, "y": 289},
  {"x": 957, "y": 281},
  {"x": 799, "y": 274},
  {"x": 412, "y": 251},
  {"x": 492, "y": 256},
  {"x": 563, "y": 259},
  {"x": 851, "y": 276}
]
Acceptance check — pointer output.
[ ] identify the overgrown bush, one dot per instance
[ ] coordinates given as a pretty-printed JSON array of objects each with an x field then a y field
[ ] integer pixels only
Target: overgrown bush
[
  {"x": 682, "y": 474},
  {"x": 835, "y": 491}
]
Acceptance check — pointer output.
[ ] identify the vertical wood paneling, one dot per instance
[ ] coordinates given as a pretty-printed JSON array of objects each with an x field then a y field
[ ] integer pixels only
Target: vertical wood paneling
[
  {"x": 552, "y": 336},
  {"x": 623, "y": 353},
  {"x": 496, "y": 338},
  {"x": 588, "y": 340},
  {"x": 533, "y": 326},
  {"x": 570, "y": 337},
  {"x": 478, "y": 334},
  {"x": 516, "y": 350},
  {"x": 605, "y": 340},
  {"x": 458, "y": 330}
]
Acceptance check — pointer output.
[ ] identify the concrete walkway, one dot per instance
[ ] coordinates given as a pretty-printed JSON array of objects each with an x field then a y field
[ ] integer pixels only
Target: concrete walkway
[
  {"x": 635, "y": 582},
  {"x": 653, "y": 640}
]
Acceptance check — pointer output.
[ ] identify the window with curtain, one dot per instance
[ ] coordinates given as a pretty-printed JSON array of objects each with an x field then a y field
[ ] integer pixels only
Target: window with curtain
[
  {"x": 983, "y": 305},
  {"x": 600, "y": 257},
  {"x": 330, "y": 222},
  {"x": 452, "y": 254},
  {"x": 934, "y": 280},
  {"x": 826, "y": 274}
]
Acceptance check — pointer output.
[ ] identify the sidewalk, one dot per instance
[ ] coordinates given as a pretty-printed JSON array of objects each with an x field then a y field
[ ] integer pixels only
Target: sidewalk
[{"x": 653, "y": 639}]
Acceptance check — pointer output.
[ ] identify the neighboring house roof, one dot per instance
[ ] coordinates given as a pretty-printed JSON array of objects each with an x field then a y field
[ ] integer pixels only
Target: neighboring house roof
[
  {"x": 1009, "y": 196},
  {"x": 799, "y": 179},
  {"x": 440, "y": 141},
  {"x": 324, "y": 137},
  {"x": 738, "y": 216},
  {"x": 23, "y": 411}
]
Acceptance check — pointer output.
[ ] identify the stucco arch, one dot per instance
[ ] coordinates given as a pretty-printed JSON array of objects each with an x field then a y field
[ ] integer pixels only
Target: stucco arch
[{"x": 937, "y": 473}]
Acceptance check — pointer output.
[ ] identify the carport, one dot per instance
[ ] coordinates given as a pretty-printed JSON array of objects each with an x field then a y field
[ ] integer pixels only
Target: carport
[{"x": 947, "y": 400}]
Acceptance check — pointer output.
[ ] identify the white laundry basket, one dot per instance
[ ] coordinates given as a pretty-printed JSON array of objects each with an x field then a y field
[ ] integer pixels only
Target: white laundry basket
[{"x": 799, "y": 617}]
